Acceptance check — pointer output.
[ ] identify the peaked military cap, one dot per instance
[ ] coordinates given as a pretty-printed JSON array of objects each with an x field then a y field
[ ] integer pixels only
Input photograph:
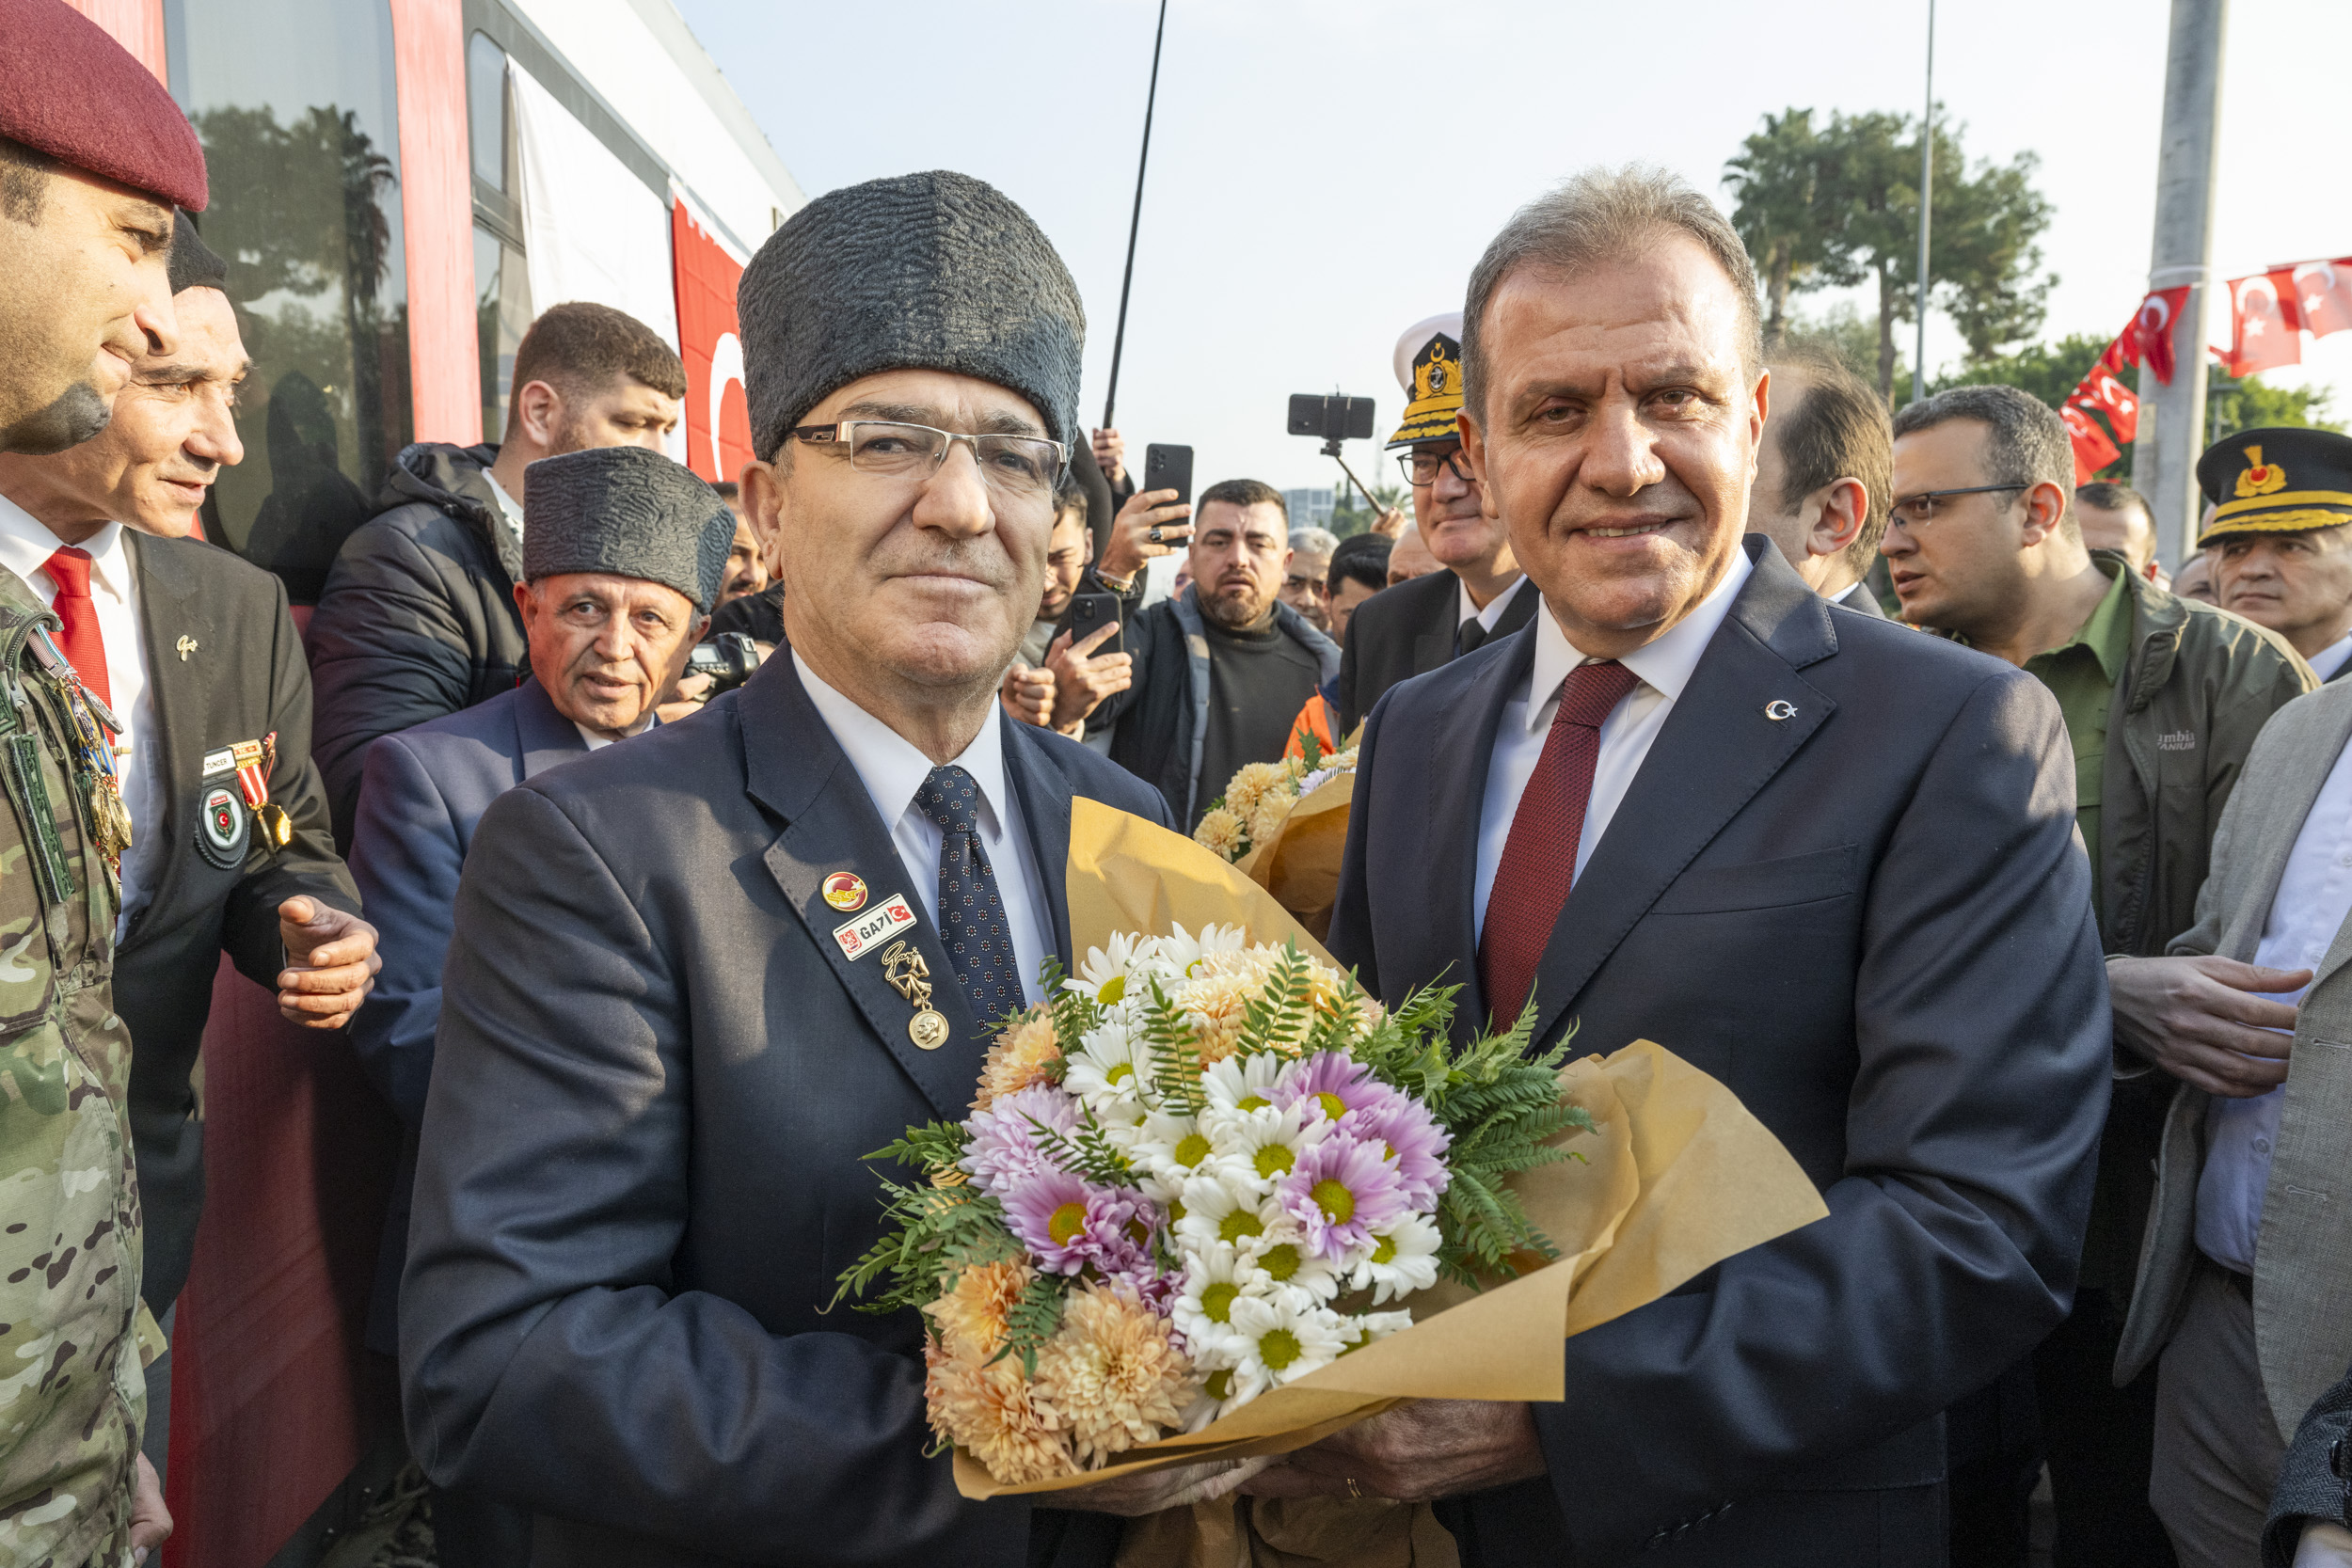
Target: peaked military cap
[
  {"x": 1428, "y": 365},
  {"x": 2277, "y": 480}
]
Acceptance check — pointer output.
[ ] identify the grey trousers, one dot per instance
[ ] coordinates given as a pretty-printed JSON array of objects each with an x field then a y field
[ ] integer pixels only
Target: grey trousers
[{"x": 2218, "y": 1449}]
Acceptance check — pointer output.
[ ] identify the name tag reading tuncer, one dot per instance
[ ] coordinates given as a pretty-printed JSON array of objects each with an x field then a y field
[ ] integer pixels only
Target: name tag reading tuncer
[{"x": 870, "y": 930}]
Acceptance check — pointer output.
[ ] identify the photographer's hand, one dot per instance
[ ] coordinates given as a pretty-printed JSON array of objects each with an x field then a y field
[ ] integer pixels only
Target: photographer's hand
[
  {"x": 1146, "y": 513},
  {"x": 1028, "y": 694},
  {"x": 1390, "y": 524},
  {"x": 1110, "y": 456},
  {"x": 1081, "y": 683}
]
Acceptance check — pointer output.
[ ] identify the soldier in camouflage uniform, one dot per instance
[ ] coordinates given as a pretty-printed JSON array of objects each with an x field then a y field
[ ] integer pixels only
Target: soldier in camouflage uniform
[{"x": 93, "y": 155}]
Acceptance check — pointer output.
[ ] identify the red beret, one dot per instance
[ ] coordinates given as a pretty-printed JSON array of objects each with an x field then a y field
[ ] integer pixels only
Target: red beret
[{"x": 69, "y": 89}]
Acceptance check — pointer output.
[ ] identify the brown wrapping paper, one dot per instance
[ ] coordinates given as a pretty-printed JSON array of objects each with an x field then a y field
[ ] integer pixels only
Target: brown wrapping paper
[
  {"x": 1677, "y": 1177},
  {"x": 1300, "y": 864}
]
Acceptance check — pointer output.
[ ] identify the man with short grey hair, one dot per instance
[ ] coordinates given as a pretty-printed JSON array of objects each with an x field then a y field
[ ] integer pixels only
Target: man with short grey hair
[
  {"x": 1668, "y": 779},
  {"x": 2162, "y": 699},
  {"x": 1303, "y": 586}
]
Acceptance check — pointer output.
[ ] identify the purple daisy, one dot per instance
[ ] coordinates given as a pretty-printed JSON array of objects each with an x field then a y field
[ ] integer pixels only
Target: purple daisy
[
  {"x": 1412, "y": 1137},
  {"x": 1004, "y": 1149},
  {"x": 1341, "y": 1192},
  {"x": 1066, "y": 1225}
]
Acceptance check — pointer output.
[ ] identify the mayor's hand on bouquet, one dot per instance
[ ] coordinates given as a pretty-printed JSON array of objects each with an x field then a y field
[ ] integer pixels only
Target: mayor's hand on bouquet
[
  {"x": 2207, "y": 1022},
  {"x": 1131, "y": 1496},
  {"x": 1419, "y": 1451}
]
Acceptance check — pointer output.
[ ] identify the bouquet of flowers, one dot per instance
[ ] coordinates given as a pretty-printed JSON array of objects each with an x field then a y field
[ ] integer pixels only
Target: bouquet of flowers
[
  {"x": 1259, "y": 798},
  {"x": 1204, "y": 1169}
]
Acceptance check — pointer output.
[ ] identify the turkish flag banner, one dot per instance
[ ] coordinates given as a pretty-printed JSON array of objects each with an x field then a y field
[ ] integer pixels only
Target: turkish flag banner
[
  {"x": 2102, "y": 392},
  {"x": 2323, "y": 294},
  {"x": 2265, "y": 333},
  {"x": 2149, "y": 339},
  {"x": 2093, "y": 449},
  {"x": 718, "y": 420}
]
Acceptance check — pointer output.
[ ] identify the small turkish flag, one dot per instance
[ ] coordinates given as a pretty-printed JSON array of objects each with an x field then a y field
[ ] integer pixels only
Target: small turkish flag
[
  {"x": 2093, "y": 449},
  {"x": 2149, "y": 339},
  {"x": 2265, "y": 333},
  {"x": 2102, "y": 392},
  {"x": 2323, "y": 294}
]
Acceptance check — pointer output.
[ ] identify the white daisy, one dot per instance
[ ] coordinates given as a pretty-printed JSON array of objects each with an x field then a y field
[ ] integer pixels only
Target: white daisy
[
  {"x": 1169, "y": 1150},
  {"x": 1217, "y": 1213},
  {"x": 1111, "y": 1071},
  {"x": 1104, "y": 975},
  {"x": 1284, "y": 1256},
  {"x": 1180, "y": 952},
  {"x": 1257, "y": 1147},
  {"x": 1365, "y": 1327},
  {"x": 1239, "y": 1084},
  {"x": 1281, "y": 1340},
  {"x": 1215, "y": 1277},
  {"x": 1402, "y": 1260}
]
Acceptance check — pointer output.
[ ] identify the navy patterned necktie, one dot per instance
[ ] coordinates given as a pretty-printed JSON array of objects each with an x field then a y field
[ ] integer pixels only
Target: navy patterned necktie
[{"x": 972, "y": 922}]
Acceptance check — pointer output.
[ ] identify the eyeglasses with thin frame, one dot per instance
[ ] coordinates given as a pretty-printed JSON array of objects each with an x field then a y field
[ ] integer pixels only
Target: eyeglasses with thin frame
[
  {"x": 1421, "y": 466},
  {"x": 1022, "y": 468},
  {"x": 1920, "y": 509}
]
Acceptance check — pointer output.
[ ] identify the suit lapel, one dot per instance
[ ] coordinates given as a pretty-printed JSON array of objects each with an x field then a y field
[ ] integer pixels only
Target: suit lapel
[
  {"x": 544, "y": 739},
  {"x": 795, "y": 768},
  {"x": 178, "y": 685},
  {"x": 1715, "y": 751},
  {"x": 1468, "y": 731},
  {"x": 1045, "y": 794},
  {"x": 2289, "y": 801}
]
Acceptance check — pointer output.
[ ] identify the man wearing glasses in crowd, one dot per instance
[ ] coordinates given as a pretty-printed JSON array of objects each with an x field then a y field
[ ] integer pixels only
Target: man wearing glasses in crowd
[
  {"x": 2162, "y": 699},
  {"x": 636, "y": 1187},
  {"x": 1419, "y": 625}
]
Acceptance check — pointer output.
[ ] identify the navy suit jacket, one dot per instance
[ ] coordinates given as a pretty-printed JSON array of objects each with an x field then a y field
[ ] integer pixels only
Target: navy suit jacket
[
  {"x": 422, "y": 794},
  {"x": 1869, "y": 918},
  {"x": 657, "y": 1076}
]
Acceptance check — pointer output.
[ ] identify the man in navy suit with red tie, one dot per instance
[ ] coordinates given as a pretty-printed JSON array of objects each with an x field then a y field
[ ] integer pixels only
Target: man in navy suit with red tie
[{"x": 1823, "y": 858}]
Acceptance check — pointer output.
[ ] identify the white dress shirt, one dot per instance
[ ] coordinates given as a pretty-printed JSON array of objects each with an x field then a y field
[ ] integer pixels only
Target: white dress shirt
[
  {"x": 2330, "y": 658},
  {"x": 893, "y": 770},
  {"x": 1467, "y": 611},
  {"x": 2315, "y": 895},
  {"x": 508, "y": 504},
  {"x": 25, "y": 547},
  {"x": 1664, "y": 668}
]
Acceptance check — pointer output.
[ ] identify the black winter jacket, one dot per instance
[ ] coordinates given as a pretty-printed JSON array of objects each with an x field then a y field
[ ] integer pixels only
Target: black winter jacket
[{"x": 419, "y": 618}]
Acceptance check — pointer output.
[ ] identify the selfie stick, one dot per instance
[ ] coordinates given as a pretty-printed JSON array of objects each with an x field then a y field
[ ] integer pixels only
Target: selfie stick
[{"x": 1119, "y": 338}]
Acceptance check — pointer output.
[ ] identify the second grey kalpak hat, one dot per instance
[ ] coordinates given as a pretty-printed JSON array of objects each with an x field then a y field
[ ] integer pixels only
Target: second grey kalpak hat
[
  {"x": 630, "y": 512},
  {"x": 935, "y": 271}
]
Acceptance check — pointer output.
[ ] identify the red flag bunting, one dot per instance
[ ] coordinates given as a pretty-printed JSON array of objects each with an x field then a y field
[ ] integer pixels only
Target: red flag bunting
[
  {"x": 2323, "y": 294},
  {"x": 2265, "y": 327},
  {"x": 718, "y": 426},
  {"x": 2103, "y": 392},
  {"x": 2093, "y": 449},
  {"x": 2148, "y": 338}
]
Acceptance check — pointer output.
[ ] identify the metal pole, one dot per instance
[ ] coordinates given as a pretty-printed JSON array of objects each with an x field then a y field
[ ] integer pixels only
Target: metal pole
[
  {"x": 2172, "y": 419},
  {"x": 1135, "y": 224},
  {"x": 1927, "y": 200}
]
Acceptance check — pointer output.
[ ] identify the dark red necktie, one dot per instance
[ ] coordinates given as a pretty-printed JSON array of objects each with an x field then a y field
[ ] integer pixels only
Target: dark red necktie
[
  {"x": 1539, "y": 857},
  {"x": 79, "y": 640}
]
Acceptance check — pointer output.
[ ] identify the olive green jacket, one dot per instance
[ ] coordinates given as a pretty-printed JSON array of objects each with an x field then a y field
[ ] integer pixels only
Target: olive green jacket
[
  {"x": 73, "y": 1398},
  {"x": 2196, "y": 688}
]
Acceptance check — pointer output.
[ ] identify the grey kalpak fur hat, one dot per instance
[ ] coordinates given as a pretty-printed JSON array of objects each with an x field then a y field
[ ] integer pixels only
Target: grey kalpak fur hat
[
  {"x": 935, "y": 271},
  {"x": 630, "y": 512}
]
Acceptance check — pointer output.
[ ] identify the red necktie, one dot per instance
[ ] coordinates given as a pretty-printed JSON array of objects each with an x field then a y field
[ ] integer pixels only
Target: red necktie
[
  {"x": 1539, "y": 857},
  {"x": 84, "y": 648}
]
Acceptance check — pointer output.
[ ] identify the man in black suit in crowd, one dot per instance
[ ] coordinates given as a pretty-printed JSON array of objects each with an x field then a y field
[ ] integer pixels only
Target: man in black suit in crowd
[
  {"x": 230, "y": 850},
  {"x": 695, "y": 978},
  {"x": 1824, "y": 476},
  {"x": 1823, "y": 858},
  {"x": 1416, "y": 626}
]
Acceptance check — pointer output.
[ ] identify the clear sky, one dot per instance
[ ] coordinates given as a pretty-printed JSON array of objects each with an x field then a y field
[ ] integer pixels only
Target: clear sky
[{"x": 1325, "y": 172}]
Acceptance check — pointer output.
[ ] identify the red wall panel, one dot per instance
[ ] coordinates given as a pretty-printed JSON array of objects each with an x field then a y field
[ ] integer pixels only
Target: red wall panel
[{"x": 437, "y": 219}]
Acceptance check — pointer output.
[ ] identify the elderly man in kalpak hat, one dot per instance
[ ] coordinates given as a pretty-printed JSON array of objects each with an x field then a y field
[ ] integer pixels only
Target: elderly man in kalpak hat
[
  {"x": 2280, "y": 538},
  {"x": 93, "y": 157},
  {"x": 1412, "y": 629},
  {"x": 667, "y": 1030}
]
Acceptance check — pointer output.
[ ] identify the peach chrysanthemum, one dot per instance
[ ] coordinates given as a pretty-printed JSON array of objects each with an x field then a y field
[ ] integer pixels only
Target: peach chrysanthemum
[
  {"x": 1274, "y": 809},
  {"x": 972, "y": 1317},
  {"x": 1219, "y": 829},
  {"x": 1023, "y": 1054},
  {"x": 1250, "y": 782},
  {"x": 988, "y": 1410},
  {"x": 1113, "y": 1374},
  {"x": 1217, "y": 997}
]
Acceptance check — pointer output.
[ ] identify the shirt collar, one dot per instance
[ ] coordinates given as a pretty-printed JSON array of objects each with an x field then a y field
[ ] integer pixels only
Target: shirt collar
[
  {"x": 508, "y": 504},
  {"x": 1664, "y": 664},
  {"x": 1468, "y": 610},
  {"x": 890, "y": 765},
  {"x": 2108, "y": 632},
  {"x": 2330, "y": 658},
  {"x": 26, "y": 544},
  {"x": 597, "y": 741}
]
